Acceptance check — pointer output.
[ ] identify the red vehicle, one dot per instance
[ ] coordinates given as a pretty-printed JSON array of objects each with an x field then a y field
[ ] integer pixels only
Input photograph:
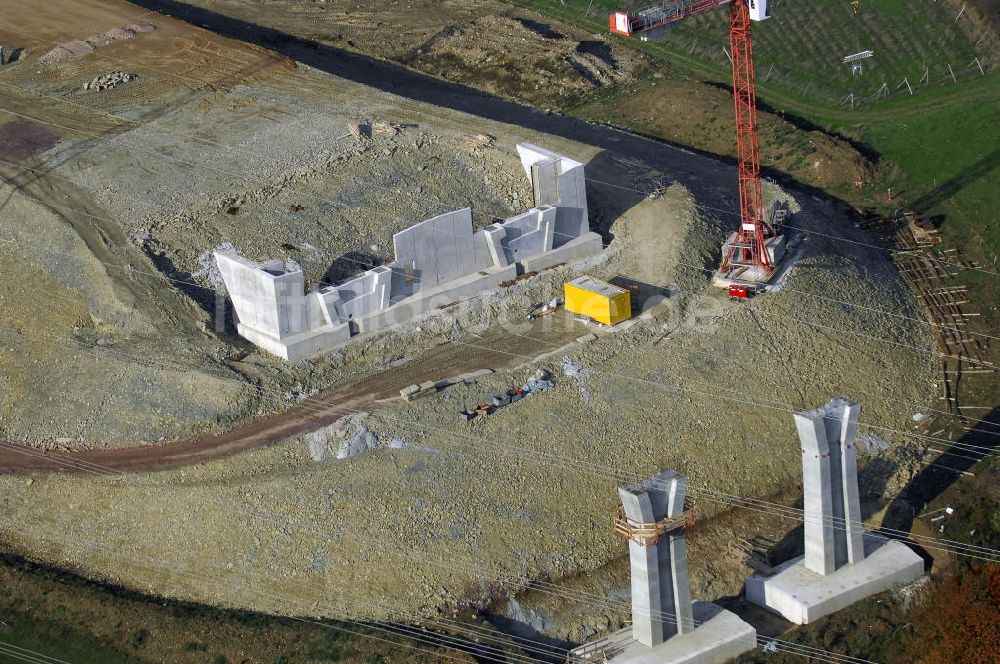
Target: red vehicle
[{"x": 739, "y": 292}]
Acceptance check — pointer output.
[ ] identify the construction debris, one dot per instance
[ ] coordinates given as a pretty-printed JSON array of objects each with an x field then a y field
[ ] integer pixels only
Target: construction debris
[
  {"x": 411, "y": 392},
  {"x": 382, "y": 127},
  {"x": 573, "y": 370},
  {"x": 544, "y": 310},
  {"x": 108, "y": 81},
  {"x": 75, "y": 49},
  {"x": 359, "y": 131},
  {"x": 478, "y": 141},
  {"x": 929, "y": 272},
  {"x": 539, "y": 382},
  {"x": 923, "y": 230},
  {"x": 754, "y": 553}
]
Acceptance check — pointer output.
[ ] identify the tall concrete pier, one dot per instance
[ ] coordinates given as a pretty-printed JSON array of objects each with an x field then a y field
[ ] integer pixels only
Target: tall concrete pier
[
  {"x": 661, "y": 593},
  {"x": 842, "y": 563},
  {"x": 666, "y": 625},
  {"x": 833, "y": 527}
]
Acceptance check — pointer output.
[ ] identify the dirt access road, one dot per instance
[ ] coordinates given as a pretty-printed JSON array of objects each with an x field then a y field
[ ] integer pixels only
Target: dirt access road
[{"x": 495, "y": 351}]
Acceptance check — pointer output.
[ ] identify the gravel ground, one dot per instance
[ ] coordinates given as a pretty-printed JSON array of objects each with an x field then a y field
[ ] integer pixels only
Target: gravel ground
[
  {"x": 699, "y": 384},
  {"x": 399, "y": 533},
  {"x": 327, "y": 200}
]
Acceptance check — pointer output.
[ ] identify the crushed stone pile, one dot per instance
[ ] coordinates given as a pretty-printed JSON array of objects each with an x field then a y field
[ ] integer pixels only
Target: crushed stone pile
[{"x": 108, "y": 81}]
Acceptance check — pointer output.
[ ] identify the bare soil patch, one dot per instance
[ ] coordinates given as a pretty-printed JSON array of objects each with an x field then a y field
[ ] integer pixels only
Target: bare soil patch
[{"x": 22, "y": 139}]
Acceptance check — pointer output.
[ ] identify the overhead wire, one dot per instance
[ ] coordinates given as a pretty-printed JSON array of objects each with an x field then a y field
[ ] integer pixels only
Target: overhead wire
[
  {"x": 538, "y": 586},
  {"x": 262, "y": 390},
  {"x": 337, "y": 204},
  {"x": 530, "y": 583},
  {"x": 25, "y": 655},
  {"x": 651, "y": 382},
  {"x": 800, "y": 320},
  {"x": 490, "y": 652}
]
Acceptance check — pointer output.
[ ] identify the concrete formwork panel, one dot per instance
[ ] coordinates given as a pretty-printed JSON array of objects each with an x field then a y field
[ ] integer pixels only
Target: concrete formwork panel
[
  {"x": 267, "y": 297},
  {"x": 587, "y": 244},
  {"x": 420, "y": 303},
  {"x": 529, "y": 234},
  {"x": 366, "y": 294},
  {"x": 545, "y": 182},
  {"x": 437, "y": 250}
]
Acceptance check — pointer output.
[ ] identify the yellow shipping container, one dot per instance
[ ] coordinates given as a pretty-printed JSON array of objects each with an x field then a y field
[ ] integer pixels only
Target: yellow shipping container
[{"x": 598, "y": 299}]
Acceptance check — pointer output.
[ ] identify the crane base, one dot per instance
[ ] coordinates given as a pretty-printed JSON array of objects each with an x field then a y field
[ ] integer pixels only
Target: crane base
[
  {"x": 743, "y": 275},
  {"x": 751, "y": 275}
]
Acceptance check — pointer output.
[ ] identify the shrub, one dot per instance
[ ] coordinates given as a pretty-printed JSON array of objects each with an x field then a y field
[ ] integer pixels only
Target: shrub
[
  {"x": 138, "y": 638},
  {"x": 956, "y": 621}
]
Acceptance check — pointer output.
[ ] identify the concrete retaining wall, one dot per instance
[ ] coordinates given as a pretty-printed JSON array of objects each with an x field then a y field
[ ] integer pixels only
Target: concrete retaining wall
[{"x": 437, "y": 261}]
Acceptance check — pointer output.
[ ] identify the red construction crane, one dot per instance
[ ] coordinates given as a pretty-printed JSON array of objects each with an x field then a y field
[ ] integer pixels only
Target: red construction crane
[{"x": 749, "y": 247}]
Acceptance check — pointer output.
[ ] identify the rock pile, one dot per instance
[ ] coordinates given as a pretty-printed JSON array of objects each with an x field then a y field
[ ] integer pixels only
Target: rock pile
[{"x": 108, "y": 81}]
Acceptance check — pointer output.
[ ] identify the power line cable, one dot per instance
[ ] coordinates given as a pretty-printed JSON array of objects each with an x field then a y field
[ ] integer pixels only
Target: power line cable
[
  {"x": 25, "y": 655},
  {"x": 655, "y": 383},
  {"x": 605, "y": 183},
  {"x": 328, "y": 201},
  {"x": 42, "y": 455}
]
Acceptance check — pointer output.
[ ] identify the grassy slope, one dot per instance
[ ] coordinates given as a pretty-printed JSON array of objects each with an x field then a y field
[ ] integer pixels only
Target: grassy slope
[
  {"x": 58, "y": 614},
  {"x": 804, "y": 43},
  {"x": 948, "y": 161}
]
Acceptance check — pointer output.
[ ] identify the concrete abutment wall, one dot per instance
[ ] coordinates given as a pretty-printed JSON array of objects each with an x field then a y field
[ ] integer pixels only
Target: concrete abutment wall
[{"x": 437, "y": 261}]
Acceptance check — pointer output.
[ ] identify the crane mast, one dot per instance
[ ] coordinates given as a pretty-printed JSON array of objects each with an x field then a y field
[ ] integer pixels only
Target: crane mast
[{"x": 749, "y": 247}]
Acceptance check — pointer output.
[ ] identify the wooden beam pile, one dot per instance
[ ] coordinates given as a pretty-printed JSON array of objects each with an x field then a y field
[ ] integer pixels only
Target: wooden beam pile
[{"x": 929, "y": 272}]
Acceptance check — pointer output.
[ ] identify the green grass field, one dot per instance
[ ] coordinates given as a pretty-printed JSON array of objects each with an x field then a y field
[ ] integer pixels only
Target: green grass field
[
  {"x": 61, "y": 615},
  {"x": 799, "y": 51}
]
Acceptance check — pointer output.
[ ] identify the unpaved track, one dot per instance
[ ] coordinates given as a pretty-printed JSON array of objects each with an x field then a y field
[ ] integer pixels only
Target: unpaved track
[
  {"x": 446, "y": 360},
  {"x": 106, "y": 240}
]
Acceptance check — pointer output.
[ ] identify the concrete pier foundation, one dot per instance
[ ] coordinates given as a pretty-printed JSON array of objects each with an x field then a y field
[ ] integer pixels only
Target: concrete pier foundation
[
  {"x": 666, "y": 625},
  {"x": 833, "y": 526},
  {"x": 842, "y": 564}
]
